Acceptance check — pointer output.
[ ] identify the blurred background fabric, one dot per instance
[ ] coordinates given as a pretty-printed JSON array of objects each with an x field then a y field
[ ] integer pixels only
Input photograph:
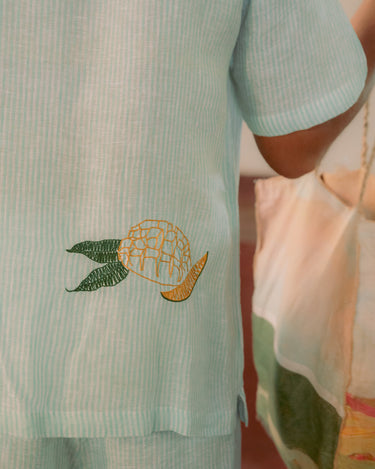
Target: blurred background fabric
[{"x": 258, "y": 452}]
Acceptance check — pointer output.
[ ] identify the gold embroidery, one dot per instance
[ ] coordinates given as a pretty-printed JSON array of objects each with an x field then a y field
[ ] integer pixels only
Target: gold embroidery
[{"x": 156, "y": 250}]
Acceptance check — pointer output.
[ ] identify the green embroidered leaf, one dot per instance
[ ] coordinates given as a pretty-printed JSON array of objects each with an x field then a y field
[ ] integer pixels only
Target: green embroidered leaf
[
  {"x": 99, "y": 251},
  {"x": 108, "y": 275}
]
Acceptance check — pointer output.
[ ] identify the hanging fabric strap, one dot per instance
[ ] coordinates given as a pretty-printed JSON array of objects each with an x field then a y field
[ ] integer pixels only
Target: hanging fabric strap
[
  {"x": 365, "y": 165},
  {"x": 364, "y": 136}
]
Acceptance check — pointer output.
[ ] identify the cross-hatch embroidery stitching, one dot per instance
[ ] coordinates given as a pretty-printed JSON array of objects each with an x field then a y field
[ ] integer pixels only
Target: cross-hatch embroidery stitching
[{"x": 155, "y": 250}]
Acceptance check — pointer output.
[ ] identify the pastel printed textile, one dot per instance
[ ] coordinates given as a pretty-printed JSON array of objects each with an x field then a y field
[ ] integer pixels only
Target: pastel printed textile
[{"x": 313, "y": 324}]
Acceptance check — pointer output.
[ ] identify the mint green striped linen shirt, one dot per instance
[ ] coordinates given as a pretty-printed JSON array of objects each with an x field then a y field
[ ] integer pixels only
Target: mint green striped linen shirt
[{"x": 119, "y": 166}]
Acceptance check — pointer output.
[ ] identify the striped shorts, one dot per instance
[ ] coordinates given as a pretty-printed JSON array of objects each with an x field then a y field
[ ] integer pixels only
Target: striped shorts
[{"x": 160, "y": 450}]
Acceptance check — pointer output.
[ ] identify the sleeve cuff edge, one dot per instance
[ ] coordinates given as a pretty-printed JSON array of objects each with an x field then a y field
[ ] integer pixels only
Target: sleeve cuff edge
[{"x": 311, "y": 114}]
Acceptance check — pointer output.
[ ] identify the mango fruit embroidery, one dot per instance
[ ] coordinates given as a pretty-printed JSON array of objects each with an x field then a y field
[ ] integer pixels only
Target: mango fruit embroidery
[{"x": 156, "y": 250}]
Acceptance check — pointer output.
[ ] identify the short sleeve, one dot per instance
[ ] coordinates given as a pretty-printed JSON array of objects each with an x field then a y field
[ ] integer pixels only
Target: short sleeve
[{"x": 296, "y": 64}]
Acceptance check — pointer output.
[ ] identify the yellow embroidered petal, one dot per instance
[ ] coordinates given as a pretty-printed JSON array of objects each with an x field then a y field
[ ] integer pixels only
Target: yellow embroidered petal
[{"x": 183, "y": 291}]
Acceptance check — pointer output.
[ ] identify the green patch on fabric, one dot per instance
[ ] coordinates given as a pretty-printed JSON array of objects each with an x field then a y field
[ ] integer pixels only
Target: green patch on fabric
[{"x": 302, "y": 418}]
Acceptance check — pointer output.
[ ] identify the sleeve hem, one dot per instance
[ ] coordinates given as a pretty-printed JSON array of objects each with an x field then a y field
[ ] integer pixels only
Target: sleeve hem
[{"x": 312, "y": 113}]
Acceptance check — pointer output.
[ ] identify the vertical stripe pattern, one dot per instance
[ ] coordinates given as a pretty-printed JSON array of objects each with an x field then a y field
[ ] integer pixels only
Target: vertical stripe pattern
[
  {"x": 113, "y": 113},
  {"x": 162, "y": 450},
  {"x": 302, "y": 66}
]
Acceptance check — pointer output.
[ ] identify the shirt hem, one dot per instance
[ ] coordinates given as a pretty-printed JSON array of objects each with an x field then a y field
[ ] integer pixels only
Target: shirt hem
[{"x": 119, "y": 423}]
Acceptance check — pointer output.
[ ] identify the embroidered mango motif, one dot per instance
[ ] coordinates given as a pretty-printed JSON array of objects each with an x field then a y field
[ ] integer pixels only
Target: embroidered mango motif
[{"x": 156, "y": 250}]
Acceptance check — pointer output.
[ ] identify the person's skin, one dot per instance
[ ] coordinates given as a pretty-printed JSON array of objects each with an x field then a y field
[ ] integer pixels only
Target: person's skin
[{"x": 298, "y": 153}]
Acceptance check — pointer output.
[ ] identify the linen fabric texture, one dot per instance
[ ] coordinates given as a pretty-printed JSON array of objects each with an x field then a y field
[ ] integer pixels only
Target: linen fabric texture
[
  {"x": 159, "y": 450},
  {"x": 313, "y": 327},
  {"x": 119, "y": 171}
]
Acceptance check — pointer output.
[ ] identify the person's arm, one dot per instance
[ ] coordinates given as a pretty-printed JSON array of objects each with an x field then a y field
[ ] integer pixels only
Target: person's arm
[{"x": 297, "y": 153}]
